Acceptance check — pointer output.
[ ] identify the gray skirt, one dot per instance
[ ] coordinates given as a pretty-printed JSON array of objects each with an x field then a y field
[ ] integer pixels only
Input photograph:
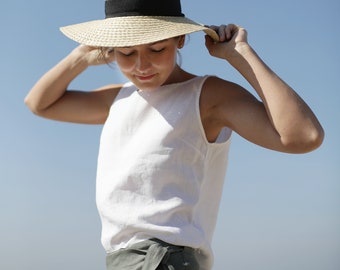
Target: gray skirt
[{"x": 153, "y": 254}]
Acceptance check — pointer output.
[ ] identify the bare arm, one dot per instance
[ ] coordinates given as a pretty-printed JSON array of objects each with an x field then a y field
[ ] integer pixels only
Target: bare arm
[
  {"x": 282, "y": 121},
  {"x": 49, "y": 96}
]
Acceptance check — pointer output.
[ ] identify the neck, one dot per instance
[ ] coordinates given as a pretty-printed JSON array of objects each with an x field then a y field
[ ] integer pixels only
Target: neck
[{"x": 178, "y": 75}]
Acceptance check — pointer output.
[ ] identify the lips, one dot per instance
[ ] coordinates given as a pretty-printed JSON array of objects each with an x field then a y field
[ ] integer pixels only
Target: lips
[{"x": 145, "y": 77}]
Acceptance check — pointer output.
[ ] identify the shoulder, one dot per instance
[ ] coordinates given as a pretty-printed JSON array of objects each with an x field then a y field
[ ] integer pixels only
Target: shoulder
[
  {"x": 107, "y": 93},
  {"x": 221, "y": 100},
  {"x": 110, "y": 88},
  {"x": 217, "y": 91},
  {"x": 215, "y": 84}
]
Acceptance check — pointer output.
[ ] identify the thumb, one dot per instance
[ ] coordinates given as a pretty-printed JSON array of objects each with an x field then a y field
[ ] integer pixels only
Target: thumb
[{"x": 209, "y": 43}]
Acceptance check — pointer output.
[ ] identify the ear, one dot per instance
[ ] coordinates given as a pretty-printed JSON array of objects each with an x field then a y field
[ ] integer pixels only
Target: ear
[{"x": 181, "y": 41}]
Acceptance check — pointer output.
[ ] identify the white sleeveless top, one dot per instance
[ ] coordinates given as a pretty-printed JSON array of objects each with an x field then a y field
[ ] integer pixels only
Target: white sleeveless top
[{"x": 158, "y": 176}]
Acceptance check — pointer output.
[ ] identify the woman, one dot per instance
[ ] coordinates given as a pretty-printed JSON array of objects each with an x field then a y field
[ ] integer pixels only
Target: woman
[{"x": 166, "y": 135}]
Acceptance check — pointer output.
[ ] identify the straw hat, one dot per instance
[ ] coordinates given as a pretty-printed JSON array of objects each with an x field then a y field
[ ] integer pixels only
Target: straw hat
[{"x": 135, "y": 22}]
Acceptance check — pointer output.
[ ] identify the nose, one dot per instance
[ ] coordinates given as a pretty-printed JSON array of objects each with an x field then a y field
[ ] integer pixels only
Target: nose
[{"x": 142, "y": 63}]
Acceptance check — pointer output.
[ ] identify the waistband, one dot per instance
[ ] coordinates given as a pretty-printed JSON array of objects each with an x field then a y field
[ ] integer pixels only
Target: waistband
[{"x": 153, "y": 254}]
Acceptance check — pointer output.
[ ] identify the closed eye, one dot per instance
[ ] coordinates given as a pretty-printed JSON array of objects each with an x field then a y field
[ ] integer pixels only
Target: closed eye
[
  {"x": 157, "y": 50},
  {"x": 126, "y": 53}
]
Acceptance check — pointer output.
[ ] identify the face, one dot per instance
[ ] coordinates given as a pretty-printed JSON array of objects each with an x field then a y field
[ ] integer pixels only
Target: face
[{"x": 151, "y": 65}]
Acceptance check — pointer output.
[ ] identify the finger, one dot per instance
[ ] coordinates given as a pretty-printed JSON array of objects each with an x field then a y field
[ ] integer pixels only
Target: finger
[
  {"x": 222, "y": 32},
  {"x": 208, "y": 41},
  {"x": 231, "y": 30},
  {"x": 213, "y": 27},
  {"x": 225, "y": 32},
  {"x": 210, "y": 44}
]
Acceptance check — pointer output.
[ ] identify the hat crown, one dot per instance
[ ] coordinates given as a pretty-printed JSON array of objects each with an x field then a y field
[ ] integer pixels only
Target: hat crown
[{"x": 121, "y": 8}]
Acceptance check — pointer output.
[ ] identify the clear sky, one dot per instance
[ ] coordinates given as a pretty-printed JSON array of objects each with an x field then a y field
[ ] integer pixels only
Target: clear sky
[{"x": 278, "y": 212}]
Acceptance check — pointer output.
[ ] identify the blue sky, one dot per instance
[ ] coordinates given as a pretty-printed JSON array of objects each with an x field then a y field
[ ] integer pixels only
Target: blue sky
[{"x": 279, "y": 211}]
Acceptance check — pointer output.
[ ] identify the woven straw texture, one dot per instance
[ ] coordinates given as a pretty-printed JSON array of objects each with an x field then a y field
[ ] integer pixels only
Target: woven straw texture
[{"x": 132, "y": 30}]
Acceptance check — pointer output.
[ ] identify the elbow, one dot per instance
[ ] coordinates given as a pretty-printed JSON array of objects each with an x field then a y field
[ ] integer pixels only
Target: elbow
[
  {"x": 304, "y": 143},
  {"x": 32, "y": 106},
  {"x": 314, "y": 141}
]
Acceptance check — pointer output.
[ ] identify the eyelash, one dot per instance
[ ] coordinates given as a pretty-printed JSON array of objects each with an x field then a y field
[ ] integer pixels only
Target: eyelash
[
  {"x": 152, "y": 50},
  {"x": 158, "y": 51},
  {"x": 126, "y": 54}
]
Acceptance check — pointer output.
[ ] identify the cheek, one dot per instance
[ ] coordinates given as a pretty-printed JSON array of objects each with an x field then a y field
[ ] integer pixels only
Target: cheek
[
  {"x": 124, "y": 63},
  {"x": 166, "y": 61}
]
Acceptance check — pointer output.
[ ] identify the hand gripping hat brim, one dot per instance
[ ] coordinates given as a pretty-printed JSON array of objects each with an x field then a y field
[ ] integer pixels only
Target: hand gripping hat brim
[{"x": 135, "y": 22}]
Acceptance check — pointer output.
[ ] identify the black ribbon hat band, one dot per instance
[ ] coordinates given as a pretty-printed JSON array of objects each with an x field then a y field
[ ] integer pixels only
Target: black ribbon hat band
[
  {"x": 135, "y": 22},
  {"x": 121, "y": 8}
]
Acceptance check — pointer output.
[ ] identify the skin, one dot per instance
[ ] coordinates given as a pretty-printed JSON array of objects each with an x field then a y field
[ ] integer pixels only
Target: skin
[{"x": 280, "y": 120}]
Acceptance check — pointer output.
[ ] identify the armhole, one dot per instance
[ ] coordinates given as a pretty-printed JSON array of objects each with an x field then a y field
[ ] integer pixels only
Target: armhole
[
  {"x": 224, "y": 136},
  {"x": 124, "y": 92}
]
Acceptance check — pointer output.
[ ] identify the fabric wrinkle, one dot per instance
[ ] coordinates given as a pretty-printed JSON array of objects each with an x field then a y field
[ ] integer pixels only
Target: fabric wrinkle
[{"x": 153, "y": 254}]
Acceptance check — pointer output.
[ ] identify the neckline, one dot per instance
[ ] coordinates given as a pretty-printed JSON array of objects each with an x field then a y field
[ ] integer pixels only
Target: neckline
[{"x": 164, "y": 86}]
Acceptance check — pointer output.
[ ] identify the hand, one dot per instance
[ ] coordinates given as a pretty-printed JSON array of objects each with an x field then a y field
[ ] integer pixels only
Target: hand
[
  {"x": 232, "y": 39},
  {"x": 94, "y": 56}
]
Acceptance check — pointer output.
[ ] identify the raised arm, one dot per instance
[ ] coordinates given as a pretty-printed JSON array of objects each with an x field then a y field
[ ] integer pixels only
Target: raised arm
[
  {"x": 282, "y": 120},
  {"x": 49, "y": 96}
]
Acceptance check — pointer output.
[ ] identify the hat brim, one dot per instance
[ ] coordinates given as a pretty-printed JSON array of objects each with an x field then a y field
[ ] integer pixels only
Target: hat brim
[{"x": 132, "y": 30}]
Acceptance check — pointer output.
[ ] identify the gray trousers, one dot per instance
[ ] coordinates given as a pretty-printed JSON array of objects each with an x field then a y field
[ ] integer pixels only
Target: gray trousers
[{"x": 153, "y": 254}]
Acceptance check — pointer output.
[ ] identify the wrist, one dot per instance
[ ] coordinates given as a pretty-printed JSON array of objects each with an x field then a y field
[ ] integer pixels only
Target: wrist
[
  {"x": 240, "y": 50},
  {"x": 78, "y": 58},
  {"x": 240, "y": 54},
  {"x": 75, "y": 65}
]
